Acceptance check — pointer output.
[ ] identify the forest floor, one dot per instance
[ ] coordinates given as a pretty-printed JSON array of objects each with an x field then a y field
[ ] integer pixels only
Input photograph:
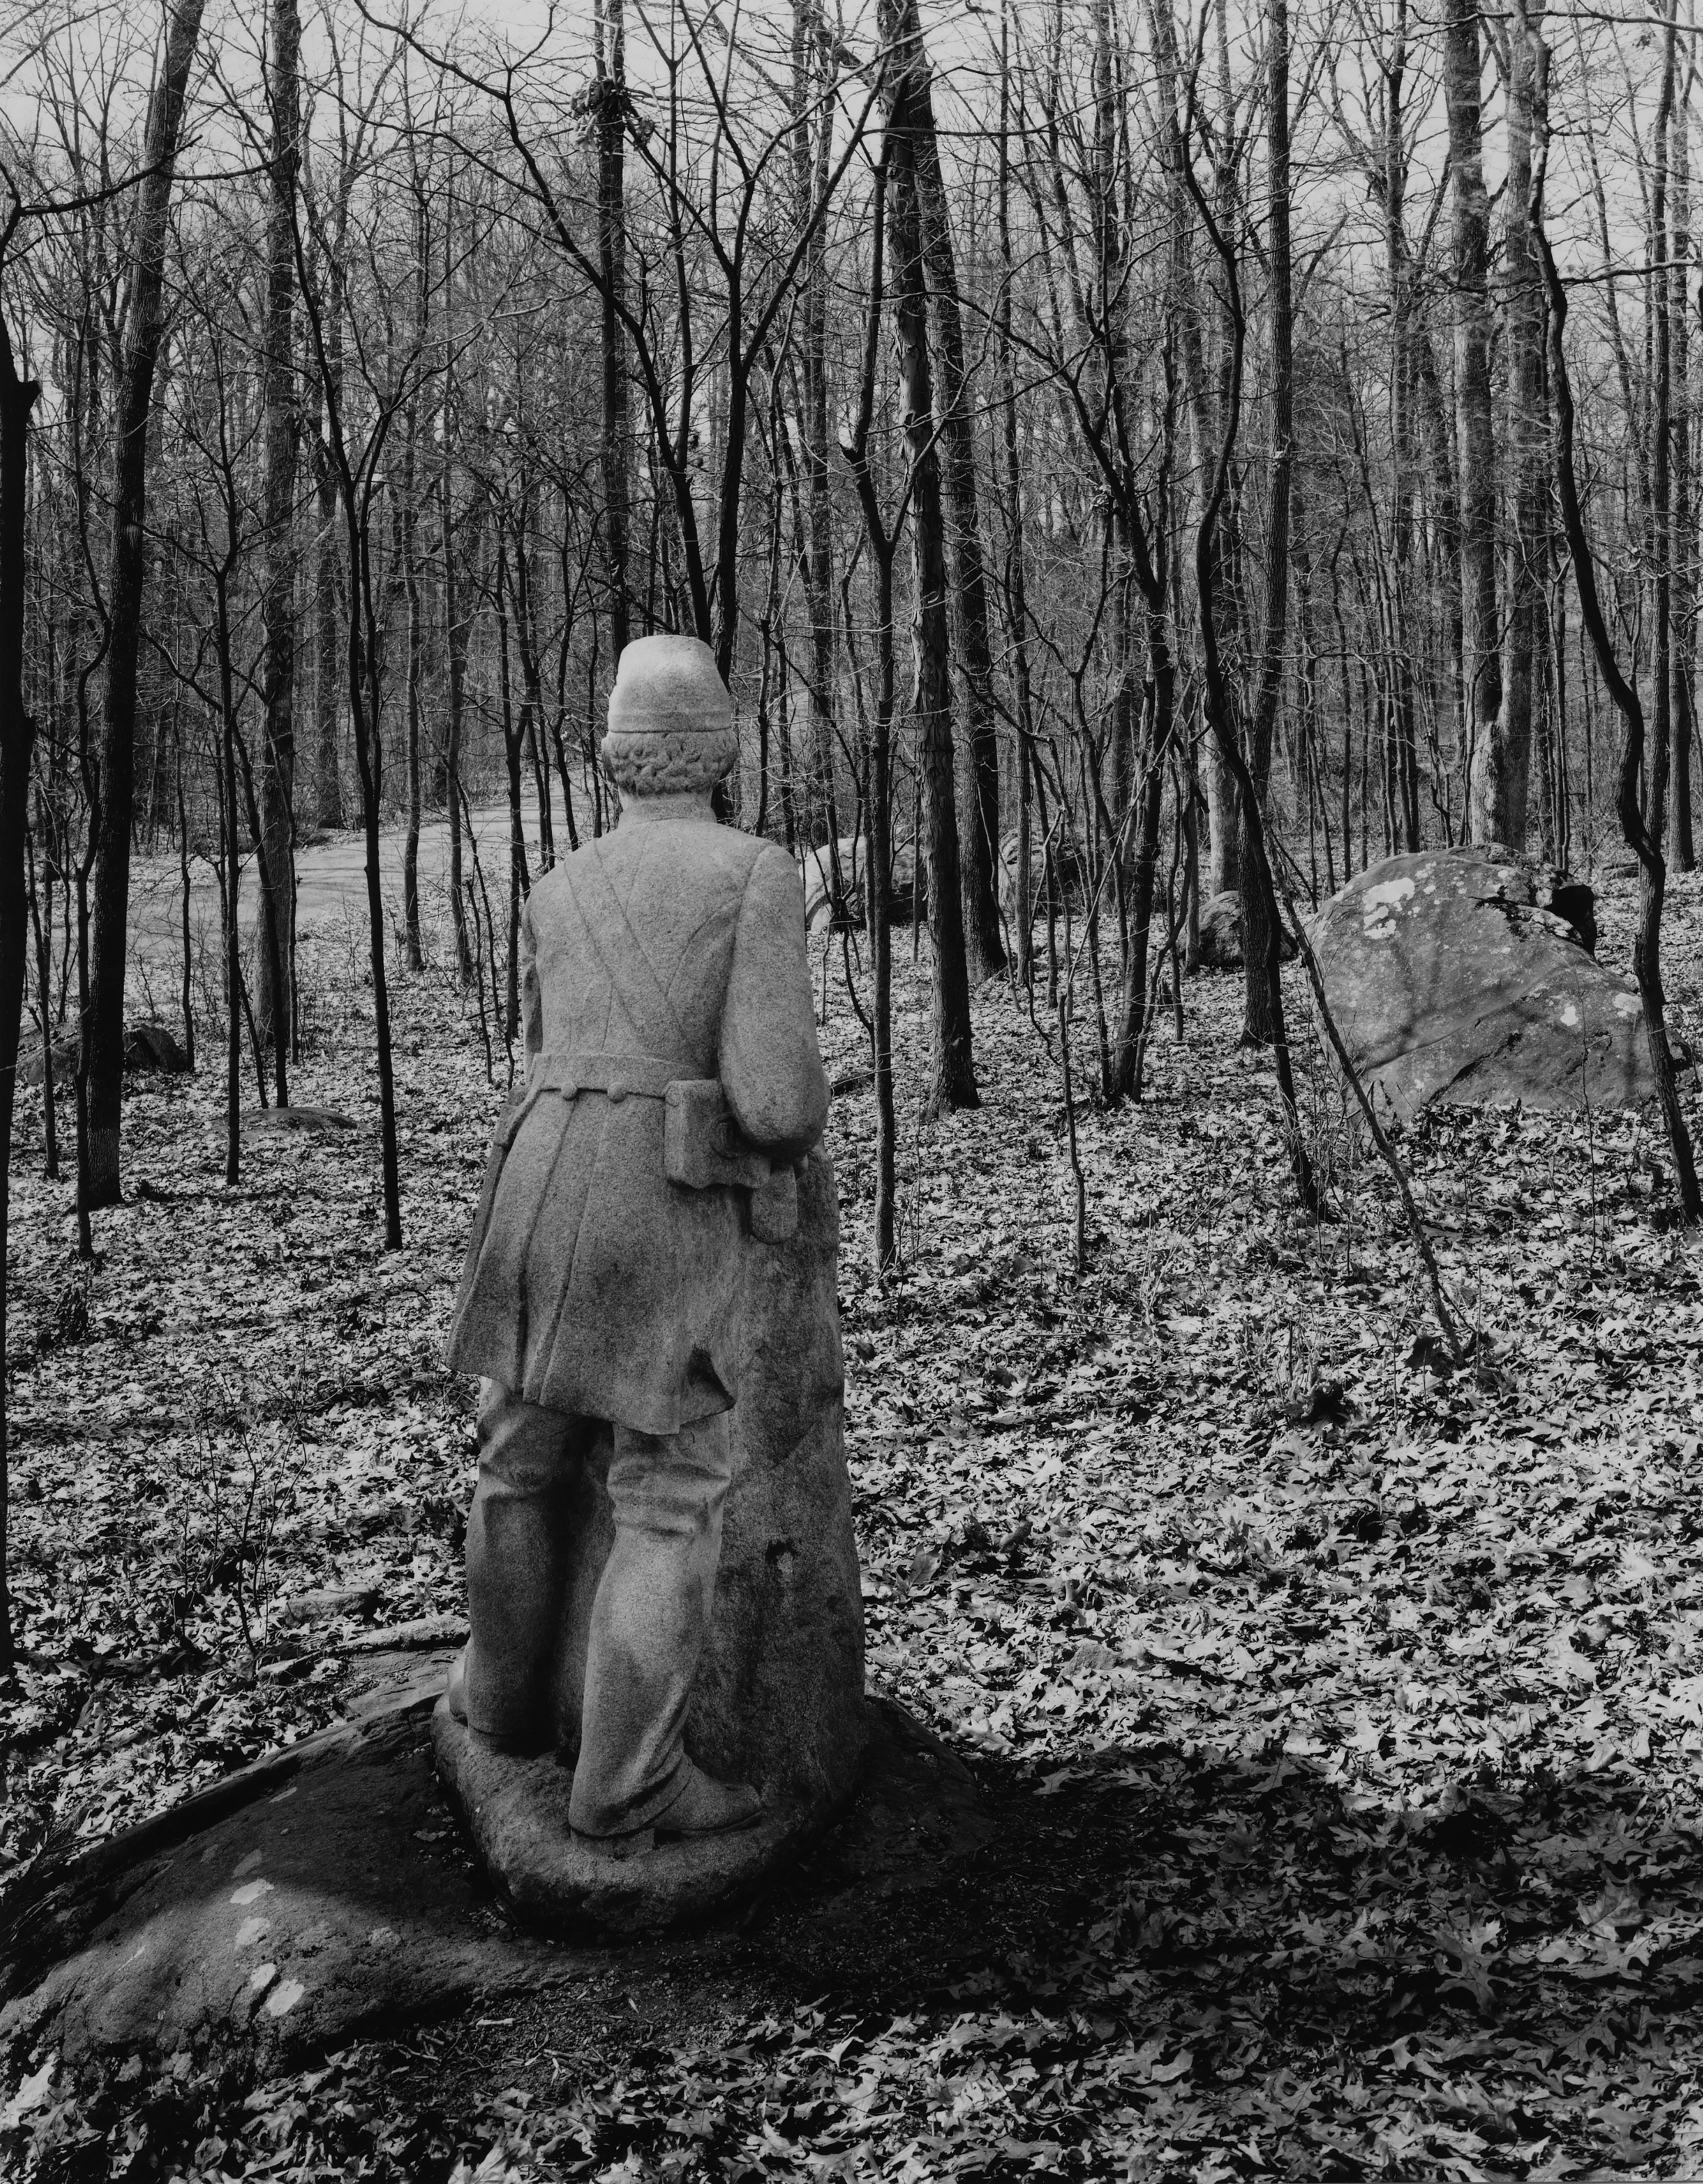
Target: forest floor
[{"x": 1342, "y": 1712}]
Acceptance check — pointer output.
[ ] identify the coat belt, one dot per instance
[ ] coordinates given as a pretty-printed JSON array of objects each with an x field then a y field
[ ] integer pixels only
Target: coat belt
[
  {"x": 616, "y": 1076},
  {"x": 620, "y": 1076},
  {"x": 702, "y": 1148}
]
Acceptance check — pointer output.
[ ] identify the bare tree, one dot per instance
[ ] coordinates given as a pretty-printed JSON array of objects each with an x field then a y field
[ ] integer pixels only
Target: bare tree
[
  {"x": 953, "y": 1076},
  {"x": 143, "y": 318},
  {"x": 278, "y": 800}
]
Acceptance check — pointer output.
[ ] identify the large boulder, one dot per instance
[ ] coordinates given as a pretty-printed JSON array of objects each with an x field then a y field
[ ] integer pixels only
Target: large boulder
[
  {"x": 779, "y": 1696},
  {"x": 32, "y": 1067},
  {"x": 1220, "y": 934},
  {"x": 323, "y": 1895},
  {"x": 151, "y": 1047},
  {"x": 1069, "y": 866},
  {"x": 1466, "y": 976},
  {"x": 838, "y": 909}
]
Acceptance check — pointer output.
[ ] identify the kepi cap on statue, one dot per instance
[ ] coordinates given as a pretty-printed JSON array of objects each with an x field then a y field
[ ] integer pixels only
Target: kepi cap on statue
[{"x": 669, "y": 685}]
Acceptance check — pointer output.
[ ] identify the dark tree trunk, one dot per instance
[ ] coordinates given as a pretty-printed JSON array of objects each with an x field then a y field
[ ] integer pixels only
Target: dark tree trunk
[
  {"x": 953, "y": 1076},
  {"x": 103, "y": 1062},
  {"x": 813, "y": 77},
  {"x": 278, "y": 608},
  {"x": 878, "y": 848},
  {"x": 610, "y": 85},
  {"x": 231, "y": 845},
  {"x": 1503, "y": 796},
  {"x": 1683, "y": 548},
  {"x": 514, "y": 739},
  {"x": 416, "y": 677},
  {"x": 454, "y": 622},
  {"x": 17, "y": 738},
  {"x": 979, "y": 801},
  {"x": 328, "y": 615},
  {"x": 1263, "y": 1016},
  {"x": 1463, "y": 67},
  {"x": 1644, "y": 840},
  {"x": 1016, "y": 574}
]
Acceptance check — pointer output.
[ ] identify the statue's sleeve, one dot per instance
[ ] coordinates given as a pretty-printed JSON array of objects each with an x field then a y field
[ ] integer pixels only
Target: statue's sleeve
[
  {"x": 771, "y": 1068},
  {"x": 531, "y": 994}
]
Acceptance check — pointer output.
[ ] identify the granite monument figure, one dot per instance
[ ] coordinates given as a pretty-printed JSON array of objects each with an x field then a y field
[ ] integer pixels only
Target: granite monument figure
[{"x": 673, "y": 1084}]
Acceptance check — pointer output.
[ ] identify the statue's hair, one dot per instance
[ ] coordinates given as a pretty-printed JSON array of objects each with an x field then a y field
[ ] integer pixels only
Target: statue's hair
[{"x": 667, "y": 761}]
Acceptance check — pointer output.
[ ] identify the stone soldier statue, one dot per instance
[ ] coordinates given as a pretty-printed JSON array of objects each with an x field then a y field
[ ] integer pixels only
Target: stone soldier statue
[{"x": 672, "y": 1081}]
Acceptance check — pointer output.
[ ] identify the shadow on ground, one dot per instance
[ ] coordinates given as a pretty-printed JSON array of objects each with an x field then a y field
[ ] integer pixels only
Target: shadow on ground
[{"x": 327, "y": 1895}]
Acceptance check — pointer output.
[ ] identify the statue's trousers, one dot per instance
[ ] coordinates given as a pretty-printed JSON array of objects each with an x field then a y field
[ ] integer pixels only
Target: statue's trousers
[{"x": 651, "y": 1610}]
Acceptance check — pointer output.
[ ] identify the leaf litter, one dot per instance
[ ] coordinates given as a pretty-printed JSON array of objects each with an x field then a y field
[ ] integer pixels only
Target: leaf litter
[{"x": 1340, "y": 1709}]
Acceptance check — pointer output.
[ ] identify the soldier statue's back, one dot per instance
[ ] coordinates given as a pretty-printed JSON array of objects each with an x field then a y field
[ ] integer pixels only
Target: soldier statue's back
[{"x": 672, "y": 1083}]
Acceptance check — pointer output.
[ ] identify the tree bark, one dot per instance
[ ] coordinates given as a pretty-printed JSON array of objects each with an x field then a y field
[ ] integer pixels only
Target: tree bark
[
  {"x": 1682, "y": 547},
  {"x": 455, "y": 621},
  {"x": 1208, "y": 764},
  {"x": 1462, "y": 66},
  {"x": 878, "y": 850},
  {"x": 953, "y": 1076},
  {"x": 813, "y": 76},
  {"x": 1263, "y": 1017},
  {"x": 1502, "y": 793},
  {"x": 1661, "y": 435},
  {"x": 278, "y": 604},
  {"x": 143, "y": 323},
  {"x": 408, "y": 538},
  {"x": 17, "y": 739},
  {"x": 1016, "y": 573},
  {"x": 980, "y": 800},
  {"x": 610, "y": 85},
  {"x": 1642, "y": 838},
  {"x": 328, "y": 617}
]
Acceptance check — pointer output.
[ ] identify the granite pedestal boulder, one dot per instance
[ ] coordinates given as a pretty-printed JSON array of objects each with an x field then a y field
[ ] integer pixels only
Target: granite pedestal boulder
[
  {"x": 778, "y": 1700},
  {"x": 662, "y": 1686}
]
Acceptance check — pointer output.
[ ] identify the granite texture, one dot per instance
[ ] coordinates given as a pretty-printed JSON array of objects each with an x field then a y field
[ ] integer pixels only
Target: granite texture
[
  {"x": 660, "y": 1566},
  {"x": 325, "y": 1894},
  {"x": 1465, "y": 976}
]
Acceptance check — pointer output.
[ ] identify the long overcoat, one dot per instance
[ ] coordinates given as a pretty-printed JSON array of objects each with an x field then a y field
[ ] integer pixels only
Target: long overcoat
[{"x": 593, "y": 1284}]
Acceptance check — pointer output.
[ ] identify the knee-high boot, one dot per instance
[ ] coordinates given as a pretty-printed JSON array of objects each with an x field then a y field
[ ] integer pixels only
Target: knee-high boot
[
  {"x": 649, "y": 1622},
  {"x": 515, "y": 1569}
]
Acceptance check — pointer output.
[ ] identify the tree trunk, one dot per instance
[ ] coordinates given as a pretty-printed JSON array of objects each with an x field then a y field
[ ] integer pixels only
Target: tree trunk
[
  {"x": 1445, "y": 512},
  {"x": 513, "y": 741},
  {"x": 610, "y": 86},
  {"x": 1207, "y": 762},
  {"x": 1016, "y": 574},
  {"x": 1642, "y": 838},
  {"x": 143, "y": 322},
  {"x": 979, "y": 801},
  {"x": 454, "y": 625},
  {"x": 813, "y": 77},
  {"x": 328, "y": 617},
  {"x": 878, "y": 848},
  {"x": 1661, "y": 510},
  {"x": 17, "y": 738},
  {"x": 953, "y": 1076},
  {"x": 409, "y": 546},
  {"x": 278, "y": 604},
  {"x": 1501, "y": 795},
  {"x": 1263, "y": 1016},
  {"x": 532, "y": 726},
  {"x": 1462, "y": 66},
  {"x": 232, "y": 849},
  {"x": 1683, "y": 549}
]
